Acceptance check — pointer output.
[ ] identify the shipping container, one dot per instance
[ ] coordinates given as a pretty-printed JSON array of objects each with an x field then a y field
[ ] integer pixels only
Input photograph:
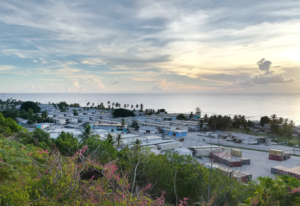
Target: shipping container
[
  {"x": 287, "y": 155},
  {"x": 168, "y": 146},
  {"x": 275, "y": 157},
  {"x": 273, "y": 170},
  {"x": 234, "y": 164},
  {"x": 245, "y": 161},
  {"x": 241, "y": 176},
  {"x": 276, "y": 152},
  {"x": 226, "y": 171},
  {"x": 236, "y": 152}
]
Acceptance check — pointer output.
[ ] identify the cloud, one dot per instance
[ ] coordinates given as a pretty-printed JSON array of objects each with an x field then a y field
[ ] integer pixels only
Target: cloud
[
  {"x": 93, "y": 61},
  {"x": 116, "y": 82},
  {"x": 75, "y": 83},
  {"x": 129, "y": 40},
  {"x": 264, "y": 65},
  {"x": 6, "y": 67},
  {"x": 268, "y": 77},
  {"x": 97, "y": 83},
  {"x": 157, "y": 88},
  {"x": 165, "y": 85}
]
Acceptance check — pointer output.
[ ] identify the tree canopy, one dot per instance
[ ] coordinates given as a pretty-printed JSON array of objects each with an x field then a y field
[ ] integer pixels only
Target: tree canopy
[
  {"x": 123, "y": 113},
  {"x": 181, "y": 117},
  {"x": 30, "y": 105},
  {"x": 264, "y": 120}
]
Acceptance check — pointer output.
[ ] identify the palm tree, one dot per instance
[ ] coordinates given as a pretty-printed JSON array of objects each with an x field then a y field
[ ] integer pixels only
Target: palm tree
[
  {"x": 138, "y": 142},
  {"x": 113, "y": 104},
  {"x": 123, "y": 122},
  {"x": 137, "y": 106},
  {"x": 285, "y": 121},
  {"x": 132, "y": 106},
  {"x": 141, "y": 107},
  {"x": 125, "y": 106},
  {"x": 87, "y": 132},
  {"x": 292, "y": 123},
  {"x": 273, "y": 117},
  {"x": 44, "y": 114},
  {"x": 119, "y": 140},
  {"x": 110, "y": 139},
  {"x": 198, "y": 111},
  {"x": 280, "y": 120},
  {"x": 191, "y": 115},
  {"x": 108, "y": 102}
]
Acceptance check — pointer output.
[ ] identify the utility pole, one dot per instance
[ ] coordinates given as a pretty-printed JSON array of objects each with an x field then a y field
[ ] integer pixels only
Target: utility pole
[{"x": 294, "y": 145}]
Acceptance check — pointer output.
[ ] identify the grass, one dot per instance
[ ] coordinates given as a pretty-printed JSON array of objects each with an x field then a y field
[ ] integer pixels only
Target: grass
[{"x": 259, "y": 150}]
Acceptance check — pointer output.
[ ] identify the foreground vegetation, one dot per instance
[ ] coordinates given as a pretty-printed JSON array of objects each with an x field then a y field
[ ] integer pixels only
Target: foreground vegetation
[{"x": 37, "y": 170}]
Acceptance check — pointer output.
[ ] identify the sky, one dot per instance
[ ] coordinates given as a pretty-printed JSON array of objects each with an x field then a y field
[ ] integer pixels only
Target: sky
[{"x": 95, "y": 46}]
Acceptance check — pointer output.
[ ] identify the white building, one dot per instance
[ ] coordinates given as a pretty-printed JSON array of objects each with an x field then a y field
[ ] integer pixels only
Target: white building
[{"x": 150, "y": 130}]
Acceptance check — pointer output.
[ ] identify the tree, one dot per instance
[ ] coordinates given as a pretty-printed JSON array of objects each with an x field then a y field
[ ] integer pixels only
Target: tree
[
  {"x": 75, "y": 113},
  {"x": 132, "y": 106},
  {"x": 200, "y": 124},
  {"x": 137, "y": 143},
  {"x": 141, "y": 107},
  {"x": 191, "y": 115},
  {"x": 137, "y": 106},
  {"x": 264, "y": 120},
  {"x": 198, "y": 111},
  {"x": 274, "y": 118},
  {"x": 123, "y": 122},
  {"x": 181, "y": 117},
  {"x": 219, "y": 122},
  {"x": 110, "y": 139},
  {"x": 122, "y": 113},
  {"x": 66, "y": 143},
  {"x": 125, "y": 106},
  {"x": 75, "y": 105},
  {"x": 44, "y": 114},
  {"x": 30, "y": 105},
  {"x": 9, "y": 125},
  {"x": 87, "y": 132},
  {"x": 205, "y": 119},
  {"x": 87, "y": 104},
  {"x": 119, "y": 140},
  {"x": 135, "y": 124},
  {"x": 30, "y": 122},
  {"x": 39, "y": 138},
  {"x": 282, "y": 190}
]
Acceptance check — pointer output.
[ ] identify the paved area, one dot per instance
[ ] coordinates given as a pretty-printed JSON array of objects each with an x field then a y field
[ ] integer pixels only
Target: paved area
[
  {"x": 260, "y": 163},
  {"x": 193, "y": 138}
]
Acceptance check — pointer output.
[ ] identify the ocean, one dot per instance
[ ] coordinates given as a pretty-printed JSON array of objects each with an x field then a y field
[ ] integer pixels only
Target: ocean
[{"x": 253, "y": 106}]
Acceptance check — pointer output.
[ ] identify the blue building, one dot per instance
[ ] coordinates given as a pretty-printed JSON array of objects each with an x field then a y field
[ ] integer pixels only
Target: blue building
[
  {"x": 43, "y": 125},
  {"x": 177, "y": 133},
  {"x": 197, "y": 116}
]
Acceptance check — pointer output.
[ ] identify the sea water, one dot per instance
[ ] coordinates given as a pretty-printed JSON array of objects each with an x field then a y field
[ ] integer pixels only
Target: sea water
[{"x": 253, "y": 106}]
